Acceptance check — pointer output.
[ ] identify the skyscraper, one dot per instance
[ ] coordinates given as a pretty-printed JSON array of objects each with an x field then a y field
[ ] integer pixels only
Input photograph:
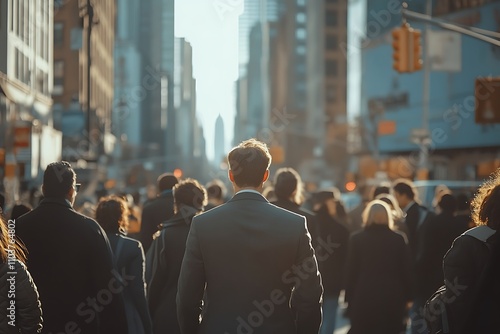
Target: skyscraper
[{"x": 219, "y": 141}]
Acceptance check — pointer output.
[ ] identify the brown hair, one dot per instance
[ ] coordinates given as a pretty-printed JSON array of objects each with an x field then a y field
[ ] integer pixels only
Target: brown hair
[
  {"x": 486, "y": 203},
  {"x": 286, "y": 182},
  {"x": 112, "y": 214},
  {"x": 191, "y": 193},
  {"x": 8, "y": 242},
  {"x": 248, "y": 162}
]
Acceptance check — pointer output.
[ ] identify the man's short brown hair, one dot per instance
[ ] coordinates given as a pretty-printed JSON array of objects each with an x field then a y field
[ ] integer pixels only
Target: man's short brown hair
[{"x": 248, "y": 163}]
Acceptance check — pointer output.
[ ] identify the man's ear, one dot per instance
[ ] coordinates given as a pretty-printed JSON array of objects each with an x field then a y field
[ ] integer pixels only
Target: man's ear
[
  {"x": 266, "y": 176},
  {"x": 230, "y": 175}
]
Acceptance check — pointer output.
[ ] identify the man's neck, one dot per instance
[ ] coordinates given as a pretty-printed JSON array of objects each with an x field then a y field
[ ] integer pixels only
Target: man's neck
[{"x": 238, "y": 189}]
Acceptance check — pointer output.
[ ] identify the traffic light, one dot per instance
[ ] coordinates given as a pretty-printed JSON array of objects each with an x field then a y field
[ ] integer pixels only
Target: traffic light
[
  {"x": 400, "y": 46},
  {"x": 487, "y": 98},
  {"x": 406, "y": 43},
  {"x": 416, "y": 47}
]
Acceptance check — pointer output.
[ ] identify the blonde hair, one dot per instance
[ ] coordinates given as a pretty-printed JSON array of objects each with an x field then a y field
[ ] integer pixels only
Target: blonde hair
[{"x": 378, "y": 212}]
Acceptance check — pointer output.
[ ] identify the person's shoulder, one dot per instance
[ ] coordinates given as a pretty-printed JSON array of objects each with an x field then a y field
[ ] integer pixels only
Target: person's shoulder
[
  {"x": 130, "y": 242},
  {"x": 399, "y": 236}
]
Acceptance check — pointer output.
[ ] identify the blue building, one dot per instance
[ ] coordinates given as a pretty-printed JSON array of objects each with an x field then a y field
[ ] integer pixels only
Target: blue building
[{"x": 391, "y": 109}]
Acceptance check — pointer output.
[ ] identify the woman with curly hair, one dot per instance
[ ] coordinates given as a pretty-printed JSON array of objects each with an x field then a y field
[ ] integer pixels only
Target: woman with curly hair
[
  {"x": 472, "y": 269},
  {"x": 19, "y": 302},
  {"x": 112, "y": 214}
]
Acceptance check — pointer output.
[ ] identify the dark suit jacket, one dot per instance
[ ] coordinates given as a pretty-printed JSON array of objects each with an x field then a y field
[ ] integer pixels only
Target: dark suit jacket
[
  {"x": 250, "y": 254},
  {"x": 71, "y": 263},
  {"x": 154, "y": 213},
  {"x": 130, "y": 261},
  {"x": 163, "y": 285},
  {"x": 312, "y": 225}
]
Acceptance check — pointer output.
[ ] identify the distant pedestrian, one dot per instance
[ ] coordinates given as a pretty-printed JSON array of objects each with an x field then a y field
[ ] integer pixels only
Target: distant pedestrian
[
  {"x": 471, "y": 267},
  {"x": 158, "y": 210},
  {"x": 416, "y": 217},
  {"x": 288, "y": 191},
  {"x": 128, "y": 255},
  {"x": 379, "y": 276},
  {"x": 331, "y": 251},
  {"x": 253, "y": 259},
  {"x": 169, "y": 247},
  {"x": 216, "y": 192},
  {"x": 20, "y": 305},
  {"x": 19, "y": 209},
  {"x": 71, "y": 261}
]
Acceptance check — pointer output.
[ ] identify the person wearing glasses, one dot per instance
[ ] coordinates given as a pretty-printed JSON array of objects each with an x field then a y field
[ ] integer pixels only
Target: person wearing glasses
[{"x": 70, "y": 259}]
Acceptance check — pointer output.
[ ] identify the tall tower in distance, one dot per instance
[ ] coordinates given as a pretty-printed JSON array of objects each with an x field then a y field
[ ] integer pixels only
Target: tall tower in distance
[{"x": 219, "y": 141}]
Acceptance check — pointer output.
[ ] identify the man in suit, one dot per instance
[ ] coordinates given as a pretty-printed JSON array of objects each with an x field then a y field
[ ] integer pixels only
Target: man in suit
[
  {"x": 253, "y": 260},
  {"x": 158, "y": 210},
  {"x": 70, "y": 260},
  {"x": 416, "y": 219}
]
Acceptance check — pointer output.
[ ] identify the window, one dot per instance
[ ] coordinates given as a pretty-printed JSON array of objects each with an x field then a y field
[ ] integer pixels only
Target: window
[
  {"x": 331, "y": 42},
  {"x": 301, "y": 18},
  {"x": 300, "y": 33},
  {"x": 58, "y": 34},
  {"x": 331, "y": 93},
  {"x": 331, "y": 68},
  {"x": 331, "y": 18},
  {"x": 58, "y": 77},
  {"x": 300, "y": 50}
]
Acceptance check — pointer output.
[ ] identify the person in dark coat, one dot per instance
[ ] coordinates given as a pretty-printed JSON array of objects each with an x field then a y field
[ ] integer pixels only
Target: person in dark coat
[
  {"x": 253, "y": 259},
  {"x": 19, "y": 209},
  {"x": 112, "y": 214},
  {"x": 471, "y": 269},
  {"x": 331, "y": 252},
  {"x": 379, "y": 279},
  {"x": 439, "y": 233},
  {"x": 189, "y": 199},
  {"x": 288, "y": 191},
  {"x": 71, "y": 261},
  {"x": 158, "y": 210},
  {"x": 19, "y": 301}
]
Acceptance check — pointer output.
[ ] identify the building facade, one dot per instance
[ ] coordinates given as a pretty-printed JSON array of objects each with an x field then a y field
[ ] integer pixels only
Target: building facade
[
  {"x": 28, "y": 141},
  {"x": 392, "y": 110},
  {"x": 84, "y": 75}
]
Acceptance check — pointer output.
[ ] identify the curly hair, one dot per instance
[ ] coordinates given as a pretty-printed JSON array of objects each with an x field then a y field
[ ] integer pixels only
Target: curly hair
[
  {"x": 486, "y": 203},
  {"x": 112, "y": 214}
]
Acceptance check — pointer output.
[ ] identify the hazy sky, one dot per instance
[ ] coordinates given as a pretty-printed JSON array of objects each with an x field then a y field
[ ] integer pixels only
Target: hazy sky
[{"x": 211, "y": 26}]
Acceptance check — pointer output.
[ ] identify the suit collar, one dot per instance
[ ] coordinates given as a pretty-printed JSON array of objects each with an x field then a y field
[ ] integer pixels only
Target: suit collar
[
  {"x": 58, "y": 201},
  {"x": 248, "y": 195}
]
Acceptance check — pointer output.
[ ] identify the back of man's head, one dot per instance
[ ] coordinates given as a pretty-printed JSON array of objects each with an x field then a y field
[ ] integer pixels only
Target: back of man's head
[
  {"x": 404, "y": 187},
  {"x": 248, "y": 163},
  {"x": 166, "y": 181},
  {"x": 58, "y": 179}
]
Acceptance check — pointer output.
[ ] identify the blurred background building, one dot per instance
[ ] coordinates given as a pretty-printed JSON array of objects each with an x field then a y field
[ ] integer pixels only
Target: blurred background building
[
  {"x": 391, "y": 120},
  {"x": 28, "y": 140}
]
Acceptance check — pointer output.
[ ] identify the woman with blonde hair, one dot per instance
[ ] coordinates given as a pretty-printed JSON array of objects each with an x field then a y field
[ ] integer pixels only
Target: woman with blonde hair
[{"x": 379, "y": 281}]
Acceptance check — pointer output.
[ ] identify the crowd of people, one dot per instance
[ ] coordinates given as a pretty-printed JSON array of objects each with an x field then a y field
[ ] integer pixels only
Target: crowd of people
[{"x": 268, "y": 259}]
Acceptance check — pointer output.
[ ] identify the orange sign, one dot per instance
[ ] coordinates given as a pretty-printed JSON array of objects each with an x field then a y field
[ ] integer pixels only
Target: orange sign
[
  {"x": 22, "y": 136},
  {"x": 386, "y": 128}
]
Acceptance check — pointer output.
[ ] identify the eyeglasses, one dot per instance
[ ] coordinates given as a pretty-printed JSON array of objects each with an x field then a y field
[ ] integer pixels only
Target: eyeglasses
[{"x": 77, "y": 187}]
